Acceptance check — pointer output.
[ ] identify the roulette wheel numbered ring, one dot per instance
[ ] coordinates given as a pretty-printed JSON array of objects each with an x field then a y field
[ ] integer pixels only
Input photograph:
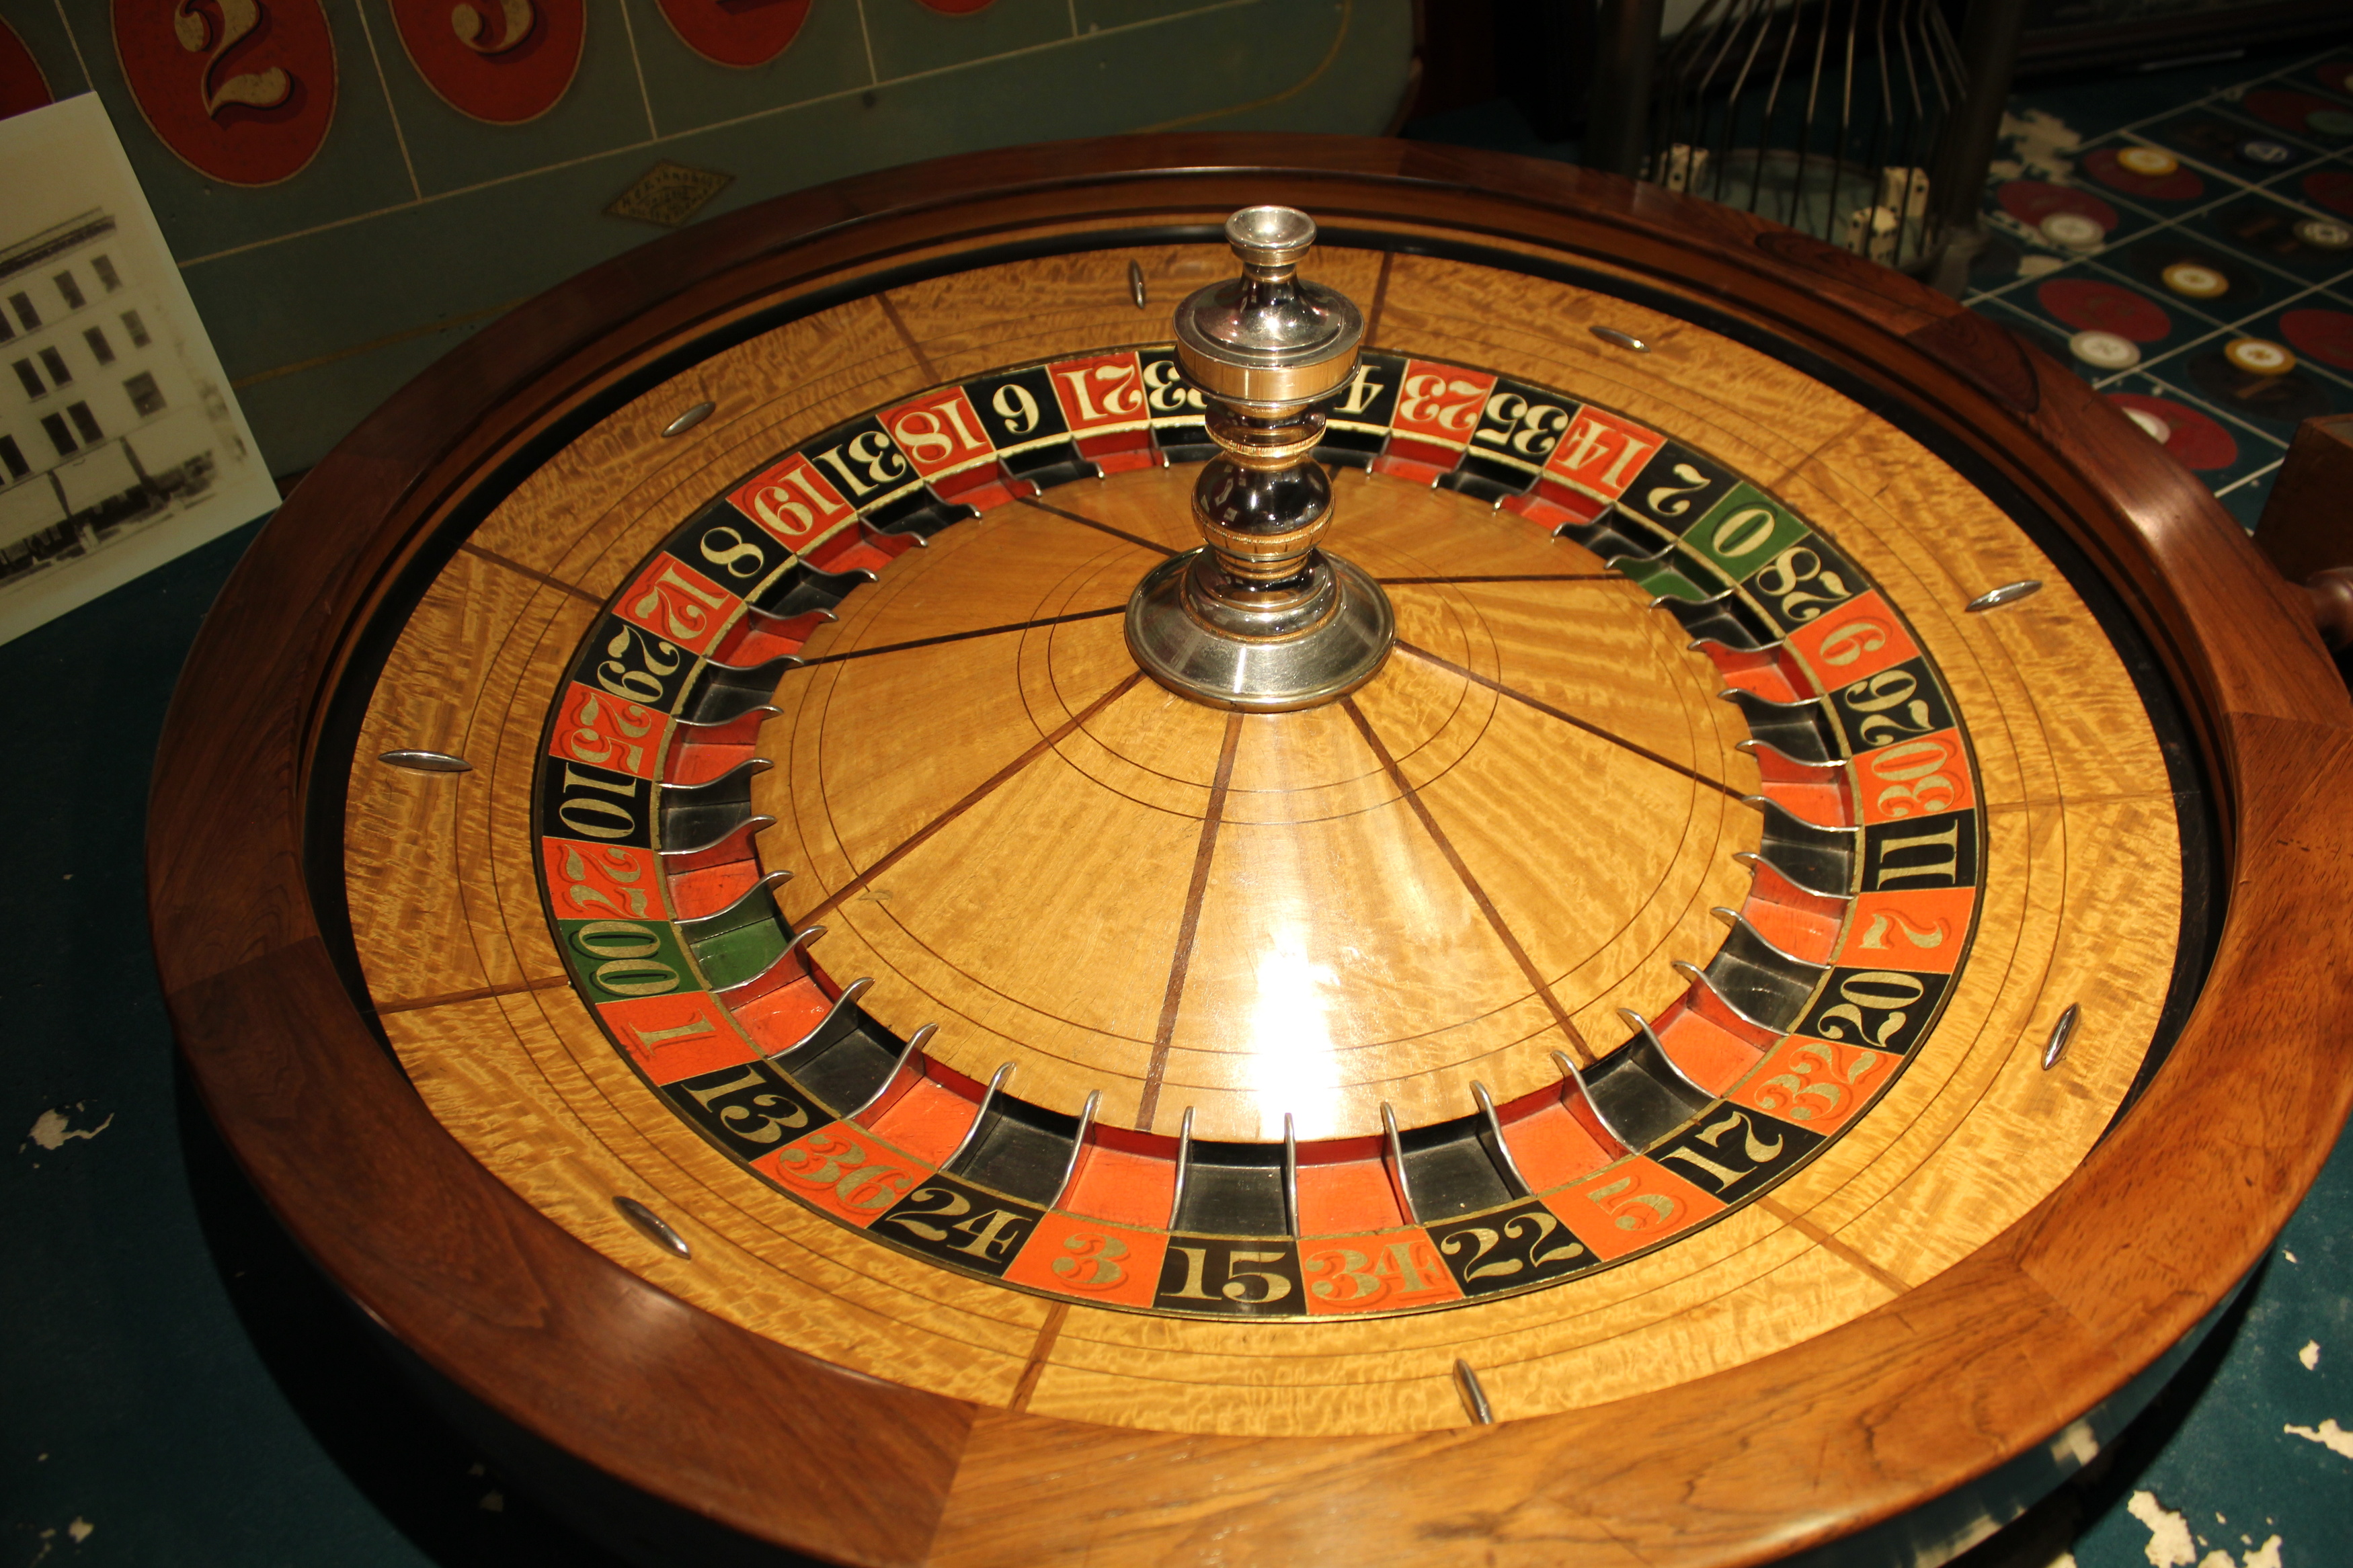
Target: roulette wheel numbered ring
[{"x": 1970, "y": 1368}]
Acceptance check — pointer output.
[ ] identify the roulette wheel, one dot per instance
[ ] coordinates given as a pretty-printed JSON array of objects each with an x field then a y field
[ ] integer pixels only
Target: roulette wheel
[{"x": 780, "y": 869}]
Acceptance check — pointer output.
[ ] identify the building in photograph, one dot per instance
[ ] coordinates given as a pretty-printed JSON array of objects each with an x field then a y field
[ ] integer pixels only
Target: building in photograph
[{"x": 105, "y": 425}]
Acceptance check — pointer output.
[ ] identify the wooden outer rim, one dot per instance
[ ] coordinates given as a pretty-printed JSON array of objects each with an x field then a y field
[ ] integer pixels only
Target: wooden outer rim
[{"x": 1927, "y": 1393}]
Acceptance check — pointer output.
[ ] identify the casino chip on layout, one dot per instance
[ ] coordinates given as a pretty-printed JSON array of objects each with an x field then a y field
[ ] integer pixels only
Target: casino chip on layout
[
  {"x": 2202, "y": 446},
  {"x": 2259, "y": 150},
  {"x": 2195, "y": 280},
  {"x": 2105, "y": 351},
  {"x": 2258, "y": 357},
  {"x": 2148, "y": 161},
  {"x": 2074, "y": 230},
  {"x": 2325, "y": 234}
]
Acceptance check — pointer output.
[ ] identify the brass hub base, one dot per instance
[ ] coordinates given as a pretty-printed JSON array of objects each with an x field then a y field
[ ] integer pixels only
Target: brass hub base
[{"x": 1205, "y": 634}]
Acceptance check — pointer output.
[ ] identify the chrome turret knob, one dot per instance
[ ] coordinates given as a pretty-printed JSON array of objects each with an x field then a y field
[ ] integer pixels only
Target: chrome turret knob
[{"x": 1261, "y": 618}]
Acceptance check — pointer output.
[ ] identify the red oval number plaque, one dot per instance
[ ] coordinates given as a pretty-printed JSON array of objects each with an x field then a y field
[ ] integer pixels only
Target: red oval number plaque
[
  {"x": 242, "y": 89},
  {"x": 505, "y": 61},
  {"x": 734, "y": 33}
]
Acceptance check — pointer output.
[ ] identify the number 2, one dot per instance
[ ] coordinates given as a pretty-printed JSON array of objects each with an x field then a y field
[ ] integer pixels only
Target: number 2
[
  {"x": 516, "y": 18},
  {"x": 683, "y": 608},
  {"x": 1666, "y": 500},
  {"x": 1882, "y": 991},
  {"x": 984, "y": 1232},
  {"x": 256, "y": 90}
]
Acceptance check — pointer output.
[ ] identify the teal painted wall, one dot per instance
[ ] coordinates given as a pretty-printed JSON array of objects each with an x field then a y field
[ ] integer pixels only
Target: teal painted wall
[{"x": 415, "y": 223}]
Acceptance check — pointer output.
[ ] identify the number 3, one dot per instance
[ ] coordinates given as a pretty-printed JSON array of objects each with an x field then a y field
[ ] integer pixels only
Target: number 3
[{"x": 1090, "y": 1266}]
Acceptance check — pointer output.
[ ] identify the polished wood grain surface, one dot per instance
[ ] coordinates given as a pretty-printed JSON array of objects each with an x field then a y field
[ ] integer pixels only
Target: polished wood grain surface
[
  {"x": 1335, "y": 945},
  {"x": 1899, "y": 1403}
]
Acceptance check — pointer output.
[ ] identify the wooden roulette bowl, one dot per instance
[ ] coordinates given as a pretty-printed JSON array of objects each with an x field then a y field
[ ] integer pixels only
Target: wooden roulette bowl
[{"x": 1188, "y": 1235}]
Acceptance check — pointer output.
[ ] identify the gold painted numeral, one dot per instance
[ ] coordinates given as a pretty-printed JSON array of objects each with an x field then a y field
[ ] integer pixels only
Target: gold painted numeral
[{"x": 264, "y": 89}]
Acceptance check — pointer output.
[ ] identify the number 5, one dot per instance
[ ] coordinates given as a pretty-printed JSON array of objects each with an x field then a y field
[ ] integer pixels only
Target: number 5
[
  {"x": 1233, "y": 1289},
  {"x": 1639, "y": 1211}
]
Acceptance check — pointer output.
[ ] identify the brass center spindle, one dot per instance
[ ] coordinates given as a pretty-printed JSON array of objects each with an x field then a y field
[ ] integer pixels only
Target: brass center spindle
[{"x": 1261, "y": 618}]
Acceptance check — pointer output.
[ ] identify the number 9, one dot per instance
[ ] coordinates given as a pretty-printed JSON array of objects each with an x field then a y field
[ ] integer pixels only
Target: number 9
[{"x": 1019, "y": 410}]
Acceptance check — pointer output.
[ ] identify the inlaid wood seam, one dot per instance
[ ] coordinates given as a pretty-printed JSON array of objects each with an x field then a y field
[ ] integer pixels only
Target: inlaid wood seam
[
  {"x": 1380, "y": 299},
  {"x": 482, "y": 995},
  {"x": 1190, "y": 927},
  {"x": 1503, "y": 578},
  {"x": 1829, "y": 1243},
  {"x": 1135, "y": 539},
  {"x": 1039, "y": 1354},
  {"x": 495, "y": 559},
  {"x": 966, "y": 637},
  {"x": 1596, "y": 731},
  {"x": 979, "y": 792},
  {"x": 1863, "y": 420},
  {"x": 1470, "y": 883},
  {"x": 899, "y": 325}
]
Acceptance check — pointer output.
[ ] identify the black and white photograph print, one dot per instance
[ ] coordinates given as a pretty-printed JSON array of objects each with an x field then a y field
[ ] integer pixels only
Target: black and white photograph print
[{"x": 121, "y": 442}]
